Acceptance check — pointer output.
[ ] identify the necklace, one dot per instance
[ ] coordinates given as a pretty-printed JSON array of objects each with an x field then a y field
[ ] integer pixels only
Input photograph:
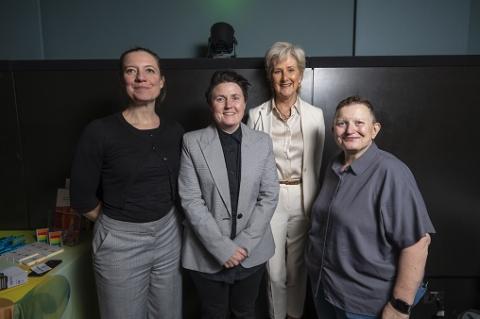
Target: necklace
[{"x": 284, "y": 116}]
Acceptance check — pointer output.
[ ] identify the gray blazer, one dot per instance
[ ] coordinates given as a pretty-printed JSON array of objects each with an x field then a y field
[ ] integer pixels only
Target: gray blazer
[
  {"x": 205, "y": 197},
  {"x": 313, "y": 130}
]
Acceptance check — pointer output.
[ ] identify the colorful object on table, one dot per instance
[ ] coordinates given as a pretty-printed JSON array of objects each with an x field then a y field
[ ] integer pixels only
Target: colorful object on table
[
  {"x": 42, "y": 235},
  {"x": 11, "y": 243},
  {"x": 55, "y": 238}
]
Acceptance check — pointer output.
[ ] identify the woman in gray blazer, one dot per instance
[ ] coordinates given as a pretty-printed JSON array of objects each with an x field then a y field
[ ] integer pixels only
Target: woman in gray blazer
[
  {"x": 229, "y": 190},
  {"x": 298, "y": 133}
]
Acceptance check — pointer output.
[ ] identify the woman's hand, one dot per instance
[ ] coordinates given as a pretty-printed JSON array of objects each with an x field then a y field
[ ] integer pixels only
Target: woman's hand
[
  {"x": 239, "y": 256},
  {"x": 94, "y": 213}
]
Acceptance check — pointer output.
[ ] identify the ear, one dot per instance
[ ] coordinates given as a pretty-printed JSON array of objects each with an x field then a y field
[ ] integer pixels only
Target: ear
[
  {"x": 376, "y": 128},
  {"x": 162, "y": 81}
]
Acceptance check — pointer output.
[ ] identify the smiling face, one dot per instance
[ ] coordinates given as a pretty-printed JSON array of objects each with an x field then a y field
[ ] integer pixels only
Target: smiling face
[
  {"x": 142, "y": 77},
  {"x": 227, "y": 105},
  {"x": 354, "y": 130},
  {"x": 286, "y": 77}
]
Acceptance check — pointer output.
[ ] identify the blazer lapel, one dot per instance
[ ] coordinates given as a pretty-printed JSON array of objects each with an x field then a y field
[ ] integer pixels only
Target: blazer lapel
[
  {"x": 248, "y": 157},
  {"x": 213, "y": 154},
  {"x": 265, "y": 114},
  {"x": 306, "y": 124}
]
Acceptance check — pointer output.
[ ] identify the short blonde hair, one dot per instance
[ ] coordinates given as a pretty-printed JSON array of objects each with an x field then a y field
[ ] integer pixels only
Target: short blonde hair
[{"x": 280, "y": 51}]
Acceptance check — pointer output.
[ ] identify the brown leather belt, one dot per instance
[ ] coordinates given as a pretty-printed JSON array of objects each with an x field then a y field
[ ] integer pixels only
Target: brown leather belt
[{"x": 291, "y": 182}]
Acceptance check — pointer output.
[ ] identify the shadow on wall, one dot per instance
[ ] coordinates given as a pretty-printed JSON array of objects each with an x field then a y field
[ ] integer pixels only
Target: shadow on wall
[{"x": 201, "y": 50}]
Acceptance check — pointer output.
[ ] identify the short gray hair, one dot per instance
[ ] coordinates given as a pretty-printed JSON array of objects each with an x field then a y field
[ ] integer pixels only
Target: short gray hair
[{"x": 280, "y": 51}]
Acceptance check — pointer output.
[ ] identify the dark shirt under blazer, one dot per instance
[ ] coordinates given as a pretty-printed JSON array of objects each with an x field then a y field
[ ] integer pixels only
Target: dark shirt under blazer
[
  {"x": 205, "y": 197},
  {"x": 232, "y": 151}
]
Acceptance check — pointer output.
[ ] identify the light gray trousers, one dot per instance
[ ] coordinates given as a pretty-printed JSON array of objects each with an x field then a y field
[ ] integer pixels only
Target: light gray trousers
[{"x": 137, "y": 268}]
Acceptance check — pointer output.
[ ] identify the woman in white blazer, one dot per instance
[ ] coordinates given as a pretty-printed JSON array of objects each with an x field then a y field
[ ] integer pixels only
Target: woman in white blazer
[
  {"x": 229, "y": 191},
  {"x": 298, "y": 132}
]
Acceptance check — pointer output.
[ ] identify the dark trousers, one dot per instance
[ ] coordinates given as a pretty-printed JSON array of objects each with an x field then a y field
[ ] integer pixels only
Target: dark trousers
[{"x": 219, "y": 299}]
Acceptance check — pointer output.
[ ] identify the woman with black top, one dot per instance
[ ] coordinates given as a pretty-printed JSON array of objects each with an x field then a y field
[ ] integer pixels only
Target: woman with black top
[{"x": 124, "y": 177}]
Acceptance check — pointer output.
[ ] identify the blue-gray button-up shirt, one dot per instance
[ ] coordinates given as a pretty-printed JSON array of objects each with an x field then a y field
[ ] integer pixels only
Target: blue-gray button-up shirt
[{"x": 361, "y": 220}]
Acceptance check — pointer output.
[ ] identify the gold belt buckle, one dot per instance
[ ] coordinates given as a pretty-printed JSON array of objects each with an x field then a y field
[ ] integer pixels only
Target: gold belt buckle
[{"x": 291, "y": 182}]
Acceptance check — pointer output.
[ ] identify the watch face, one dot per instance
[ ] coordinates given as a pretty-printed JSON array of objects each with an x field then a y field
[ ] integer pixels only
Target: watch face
[{"x": 401, "y": 306}]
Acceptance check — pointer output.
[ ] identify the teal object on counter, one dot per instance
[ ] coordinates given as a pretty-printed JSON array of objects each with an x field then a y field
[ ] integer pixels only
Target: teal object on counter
[{"x": 11, "y": 243}]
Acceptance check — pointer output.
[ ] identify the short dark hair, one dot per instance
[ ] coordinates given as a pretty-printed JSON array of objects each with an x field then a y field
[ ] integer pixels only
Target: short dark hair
[
  {"x": 163, "y": 92},
  {"x": 227, "y": 76},
  {"x": 355, "y": 99}
]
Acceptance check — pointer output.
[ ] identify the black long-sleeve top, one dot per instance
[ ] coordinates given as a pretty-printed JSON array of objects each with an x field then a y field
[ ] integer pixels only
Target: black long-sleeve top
[{"x": 133, "y": 172}]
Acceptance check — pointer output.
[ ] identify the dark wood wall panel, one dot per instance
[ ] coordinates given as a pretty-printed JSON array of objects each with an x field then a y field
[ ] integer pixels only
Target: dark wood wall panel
[
  {"x": 54, "y": 106},
  {"x": 13, "y": 201},
  {"x": 186, "y": 88}
]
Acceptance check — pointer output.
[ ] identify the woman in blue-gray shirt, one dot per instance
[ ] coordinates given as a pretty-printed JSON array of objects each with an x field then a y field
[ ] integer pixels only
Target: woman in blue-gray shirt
[{"x": 369, "y": 239}]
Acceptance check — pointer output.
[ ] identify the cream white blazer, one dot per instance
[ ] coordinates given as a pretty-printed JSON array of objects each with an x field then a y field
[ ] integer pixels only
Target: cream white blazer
[{"x": 313, "y": 131}]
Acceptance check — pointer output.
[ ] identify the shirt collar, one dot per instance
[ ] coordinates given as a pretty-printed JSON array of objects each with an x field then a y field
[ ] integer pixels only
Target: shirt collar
[
  {"x": 236, "y": 136},
  {"x": 359, "y": 165},
  {"x": 295, "y": 108}
]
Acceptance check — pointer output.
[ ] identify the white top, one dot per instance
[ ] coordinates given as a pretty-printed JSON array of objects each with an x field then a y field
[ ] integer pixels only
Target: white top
[{"x": 287, "y": 144}]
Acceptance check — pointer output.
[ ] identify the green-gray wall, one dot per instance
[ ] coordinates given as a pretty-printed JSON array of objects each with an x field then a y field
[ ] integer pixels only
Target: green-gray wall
[{"x": 88, "y": 29}]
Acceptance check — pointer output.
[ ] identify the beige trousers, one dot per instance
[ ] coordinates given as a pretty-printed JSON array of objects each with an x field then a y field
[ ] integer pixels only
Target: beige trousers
[{"x": 286, "y": 269}]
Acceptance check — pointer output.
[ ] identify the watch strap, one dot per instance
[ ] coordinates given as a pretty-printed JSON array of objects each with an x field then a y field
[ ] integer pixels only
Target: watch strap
[{"x": 401, "y": 306}]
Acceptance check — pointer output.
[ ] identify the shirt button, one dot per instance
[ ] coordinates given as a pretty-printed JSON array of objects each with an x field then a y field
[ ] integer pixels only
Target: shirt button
[
  {"x": 154, "y": 148},
  {"x": 165, "y": 158},
  {"x": 239, "y": 216}
]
